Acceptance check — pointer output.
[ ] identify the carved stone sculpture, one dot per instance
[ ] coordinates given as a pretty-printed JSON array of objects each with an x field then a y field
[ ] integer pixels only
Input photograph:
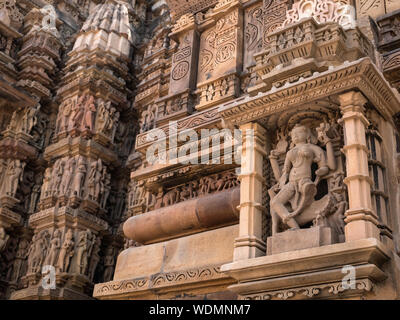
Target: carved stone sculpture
[
  {"x": 20, "y": 258},
  {"x": 58, "y": 173},
  {"x": 79, "y": 177},
  {"x": 65, "y": 114},
  {"x": 103, "y": 115},
  {"x": 95, "y": 175},
  {"x": 105, "y": 188},
  {"x": 35, "y": 193},
  {"x": 13, "y": 176},
  {"x": 37, "y": 251},
  {"x": 95, "y": 258},
  {"x": 109, "y": 264},
  {"x": 82, "y": 251},
  {"x": 89, "y": 110},
  {"x": 66, "y": 252},
  {"x": 296, "y": 190},
  {"x": 29, "y": 119},
  {"x": 67, "y": 176},
  {"x": 46, "y": 186},
  {"x": 54, "y": 249},
  {"x": 77, "y": 114},
  {"x": 3, "y": 239}
]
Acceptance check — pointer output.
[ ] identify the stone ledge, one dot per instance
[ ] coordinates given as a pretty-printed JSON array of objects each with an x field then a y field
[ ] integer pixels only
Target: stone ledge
[
  {"x": 354, "y": 252},
  {"x": 308, "y": 269},
  {"x": 150, "y": 287}
]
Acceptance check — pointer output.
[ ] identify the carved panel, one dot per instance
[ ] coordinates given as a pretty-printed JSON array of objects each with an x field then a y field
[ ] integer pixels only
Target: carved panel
[
  {"x": 219, "y": 52},
  {"x": 183, "y": 70},
  {"x": 392, "y": 5},
  {"x": 274, "y": 16},
  {"x": 373, "y": 8},
  {"x": 253, "y": 30}
]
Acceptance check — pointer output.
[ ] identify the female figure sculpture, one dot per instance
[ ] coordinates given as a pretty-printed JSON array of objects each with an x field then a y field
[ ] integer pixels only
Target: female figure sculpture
[
  {"x": 14, "y": 176},
  {"x": 82, "y": 249},
  {"x": 3, "y": 238},
  {"x": 66, "y": 252},
  {"x": 79, "y": 177},
  {"x": 90, "y": 109},
  {"x": 295, "y": 184},
  {"x": 55, "y": 245}
]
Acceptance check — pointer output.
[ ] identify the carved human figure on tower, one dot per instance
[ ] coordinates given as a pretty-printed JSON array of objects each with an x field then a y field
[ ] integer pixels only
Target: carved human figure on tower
[
  {"x": 95, "y": 175},
  {"x": 89, "y": 110},
  {"x": 66, "y": 252},
  {"x": 37, "y": 252},
  {"x": 35, "y": 193},
  {"x": 29, "y": 120},
  {"x": 46, "y": 186},
  {"x": 67, "y": 177},
  {"x": 103, "y": 115},
  {"x": 296, "y": 189},
  {"x": 77, "y": 113},
  {"x": 95, "y": 258},
  {"x": 65, "y": 111},
  {"x": 13, "y": 176},
  {"x": 109, "y": 264},
  {"x": 82, "y": 250},
  {"x": 106, "y": 188},
  {"x": 58, "y": 174},
  {"x": 79, "y": 178},
  {"x": 3, "y": 239},
  {"x": 20, "y": 257},
  {"x": 55, "y": 245}
]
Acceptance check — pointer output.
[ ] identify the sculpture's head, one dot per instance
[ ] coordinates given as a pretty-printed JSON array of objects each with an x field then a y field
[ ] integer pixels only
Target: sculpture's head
[
  {"x": 300, "y": 134},
  {"x": 56, "y": 233},
  {"x": 69, "y": 234}
]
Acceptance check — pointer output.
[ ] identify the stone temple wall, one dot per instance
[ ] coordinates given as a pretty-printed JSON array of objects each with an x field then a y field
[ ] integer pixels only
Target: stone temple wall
[{"x": 109, "y": 188}]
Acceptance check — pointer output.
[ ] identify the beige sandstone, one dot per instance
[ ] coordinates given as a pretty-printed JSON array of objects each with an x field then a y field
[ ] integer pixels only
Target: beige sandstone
[{"x": 86, "y": 85}]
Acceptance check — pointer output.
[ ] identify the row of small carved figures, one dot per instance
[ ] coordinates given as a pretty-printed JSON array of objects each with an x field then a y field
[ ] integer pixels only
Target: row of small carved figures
[
  {"x": 137, "y": 195},
  {"x": 70, "y": 175},
  {"x": 81, "y": 257},
  {"x": 80, "y": 112},
  {"x": 193, "y": 189}
]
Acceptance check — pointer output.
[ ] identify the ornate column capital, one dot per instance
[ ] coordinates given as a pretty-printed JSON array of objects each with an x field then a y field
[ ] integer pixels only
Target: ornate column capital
[{"x": 352, "y": 98}]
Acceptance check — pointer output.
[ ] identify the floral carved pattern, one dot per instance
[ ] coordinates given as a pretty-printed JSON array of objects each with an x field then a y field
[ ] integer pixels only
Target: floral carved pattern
[{"x": 331, "y": 289}]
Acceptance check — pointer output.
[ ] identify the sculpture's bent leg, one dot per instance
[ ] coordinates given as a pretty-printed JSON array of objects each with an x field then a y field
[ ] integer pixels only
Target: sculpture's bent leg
[{"x": 278, "y": 205}]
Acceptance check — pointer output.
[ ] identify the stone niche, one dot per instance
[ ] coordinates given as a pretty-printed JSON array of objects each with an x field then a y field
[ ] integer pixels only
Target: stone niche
[{"x": 309, "y": 194}]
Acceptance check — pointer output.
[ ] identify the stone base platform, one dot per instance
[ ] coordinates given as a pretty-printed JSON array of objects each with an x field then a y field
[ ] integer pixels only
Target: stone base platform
[
  {"x": 316, "y": 273},
  {"x": 39, "y": 293},
  {"x": 292, "y": 240}
]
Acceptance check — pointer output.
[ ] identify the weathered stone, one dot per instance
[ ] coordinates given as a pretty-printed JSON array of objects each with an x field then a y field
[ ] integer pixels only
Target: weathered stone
[
  {"x": 293, "y": 240},
  {"x": 200, "y": 149}
]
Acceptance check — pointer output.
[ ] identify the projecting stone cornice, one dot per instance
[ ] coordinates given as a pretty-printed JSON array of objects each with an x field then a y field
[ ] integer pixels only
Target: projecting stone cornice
[{"x": 361, "y": 75}]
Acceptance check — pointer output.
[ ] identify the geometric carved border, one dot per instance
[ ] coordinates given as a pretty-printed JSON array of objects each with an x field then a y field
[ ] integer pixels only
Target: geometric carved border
[{"x": 159, "y": 281}]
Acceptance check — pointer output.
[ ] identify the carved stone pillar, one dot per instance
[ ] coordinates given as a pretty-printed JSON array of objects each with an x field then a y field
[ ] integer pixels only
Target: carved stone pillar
[
  {"x": 249, "y": 243},
  {"x": 361, "y": 221}
]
